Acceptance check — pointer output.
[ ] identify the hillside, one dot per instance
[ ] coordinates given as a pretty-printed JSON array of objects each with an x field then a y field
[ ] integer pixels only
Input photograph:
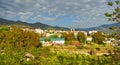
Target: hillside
[
  {"x": 103, "y": 28},
  {"x": 33, "y": 25}
]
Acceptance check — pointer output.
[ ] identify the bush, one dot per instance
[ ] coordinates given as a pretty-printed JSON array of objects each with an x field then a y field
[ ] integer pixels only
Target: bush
[
  {"x": 98, "y": 49},
  {"x": 80, "y": 47}
]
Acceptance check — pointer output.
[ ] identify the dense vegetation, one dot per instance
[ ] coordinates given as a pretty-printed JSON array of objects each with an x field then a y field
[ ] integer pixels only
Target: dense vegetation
[
  {"x": 18, "y": 38},
  {"x": 44, "y": 56},
  {"x": 16, "y": 43}
]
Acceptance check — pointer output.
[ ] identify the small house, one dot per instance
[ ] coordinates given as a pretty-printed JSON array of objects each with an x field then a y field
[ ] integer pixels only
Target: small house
[{"x": 89, "y": 38}]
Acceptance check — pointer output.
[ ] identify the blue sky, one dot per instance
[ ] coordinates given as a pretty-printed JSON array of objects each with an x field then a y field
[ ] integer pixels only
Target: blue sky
[{"x": 66, "y": 13}]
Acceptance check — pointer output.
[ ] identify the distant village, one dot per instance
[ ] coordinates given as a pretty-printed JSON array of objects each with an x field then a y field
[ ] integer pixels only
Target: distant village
[{"x": 54, "y": 37}]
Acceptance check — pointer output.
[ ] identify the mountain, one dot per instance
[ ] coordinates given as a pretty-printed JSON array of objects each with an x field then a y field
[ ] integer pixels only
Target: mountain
[
  {"x": 33, "y": 25},
  {"x": 103, "y": 28},
  {"x": 100, "y": 27}
]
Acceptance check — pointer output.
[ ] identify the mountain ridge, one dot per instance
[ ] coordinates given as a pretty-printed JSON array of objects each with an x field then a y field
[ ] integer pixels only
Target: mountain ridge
[
  {"x": 45, "y": 26},
  {"x": 33, "y": 25},
  {"x": 100, "y": 27}
]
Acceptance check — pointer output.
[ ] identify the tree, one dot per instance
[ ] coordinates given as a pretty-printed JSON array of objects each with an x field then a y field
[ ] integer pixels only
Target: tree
[
  {"x": 4, "y": 28},
  {"x": 115, "y": 15},
  {"x": 98, "y": 38},
  {"x": 19, "y": 38},
  {"x": 70, "y": 36},
  {"x": 81, "y": 37},
  {"x": 62, "y": 29},
  {"x": 64, "y": 35},
  {"x": 53, "y": 36}
]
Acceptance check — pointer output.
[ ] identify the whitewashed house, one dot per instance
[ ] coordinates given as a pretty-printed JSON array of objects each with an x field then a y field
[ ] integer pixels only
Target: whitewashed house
[
  {"x": 38, "y": 30},
  {"x": 48, "y": 34},
  {"x": 28, "y": 29},
  {"x": 92, "y": 32},
  {"x": 89, "y": 38}
]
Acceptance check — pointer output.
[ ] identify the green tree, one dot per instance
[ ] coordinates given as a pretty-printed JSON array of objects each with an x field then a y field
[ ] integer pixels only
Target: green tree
[
  {"x": 47, "y": 40},
  {"x": 98, "y": 38},
  {"x": 62, "y": 29},
  {"x": 81, "y": 37},
  {"x": 53, "y": 36},
  {"x": 70, "y": 36},
  {"x": 4, "y": 28},
  {"x": 64, "y": 35},
  {"x": 19, "y": 38},
  {"x": 115, "y": 15}
]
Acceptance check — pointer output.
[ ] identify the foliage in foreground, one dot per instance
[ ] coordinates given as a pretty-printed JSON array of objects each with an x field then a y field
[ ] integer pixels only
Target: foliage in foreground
[
  {"x": 19, "y": 38},
  {"x": 15, "y": 43},
  {"x": 43, "y": 56}
]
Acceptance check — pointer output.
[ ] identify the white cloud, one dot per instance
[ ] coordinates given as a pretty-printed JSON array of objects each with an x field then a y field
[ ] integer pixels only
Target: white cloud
[
  {"x": 45, "y": 19},
  {"x": 102, "y": 1},
  {"x": 87, "y": 0},
  {"x": 81, "y": 10},
  {"x": 25, "y": 15},
  {"x": 48, "y": 19}
]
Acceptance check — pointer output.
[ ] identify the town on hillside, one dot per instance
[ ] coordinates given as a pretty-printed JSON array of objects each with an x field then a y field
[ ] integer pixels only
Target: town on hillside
[
  {"x": 72, "y": 37},
  {"x": 59, "y": 32}
]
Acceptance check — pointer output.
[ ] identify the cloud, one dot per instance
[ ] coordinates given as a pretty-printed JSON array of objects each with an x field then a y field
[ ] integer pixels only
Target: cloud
[
  {"x": 87, "y": 0},
  {"x": 48, "y": 19},
  {"x": 81, "y": 10},
  {"x": 25, "y": 15}
]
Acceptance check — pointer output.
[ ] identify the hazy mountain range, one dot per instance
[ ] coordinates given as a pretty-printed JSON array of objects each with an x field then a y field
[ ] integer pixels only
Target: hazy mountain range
[
  {"x": 33, "y": 25},
  {"x": 106, "y": 26},
  {"x": 45, "y": 26}
]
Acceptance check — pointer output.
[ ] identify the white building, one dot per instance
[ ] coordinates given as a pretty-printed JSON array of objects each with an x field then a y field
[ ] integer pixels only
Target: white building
[
  {"x": 28, "y": 29},
  {"x": 38, "y": 30},
  {"x": 92, "y": 32},
  {"x": 89, "y": 38},
  {"x": 48, "y": 34}
]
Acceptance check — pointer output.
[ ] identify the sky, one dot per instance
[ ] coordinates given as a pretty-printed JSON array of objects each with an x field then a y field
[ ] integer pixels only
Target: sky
[{"x": 65, "y": 13}]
